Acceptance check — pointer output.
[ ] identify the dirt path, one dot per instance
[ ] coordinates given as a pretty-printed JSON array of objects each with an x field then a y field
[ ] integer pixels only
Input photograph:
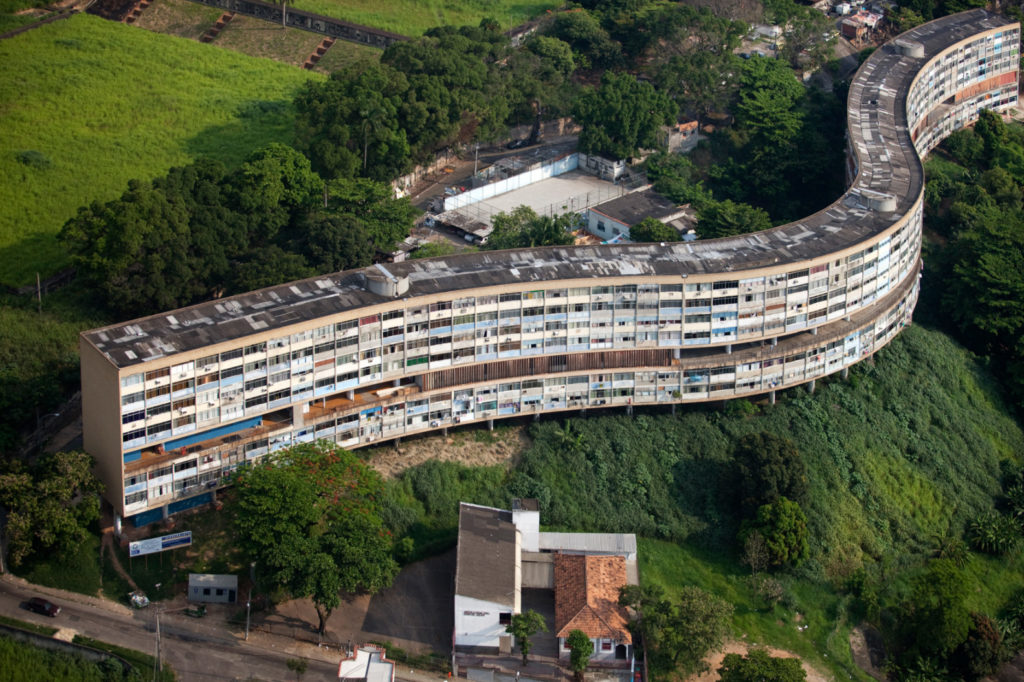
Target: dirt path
[
  {"x": 107, "y": 547},
  {"x": 470, "y": 447}
]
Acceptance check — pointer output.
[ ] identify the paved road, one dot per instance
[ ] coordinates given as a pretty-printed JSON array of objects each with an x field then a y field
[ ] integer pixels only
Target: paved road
[{"x": 196, "y": 650}]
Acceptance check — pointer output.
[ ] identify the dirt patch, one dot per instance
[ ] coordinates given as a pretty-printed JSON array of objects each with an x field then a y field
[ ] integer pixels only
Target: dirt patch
[
  {"x": 477, "y": 447},
  {"x": 868, "y": 651},
  {"x": 714, "y": 662}
]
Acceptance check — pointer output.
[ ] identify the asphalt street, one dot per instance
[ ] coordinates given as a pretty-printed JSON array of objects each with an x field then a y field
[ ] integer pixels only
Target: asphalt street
[{"x": 197, "y": 650}]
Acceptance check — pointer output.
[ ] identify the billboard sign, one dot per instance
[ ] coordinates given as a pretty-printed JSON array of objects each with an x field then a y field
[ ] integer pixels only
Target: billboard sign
[{"x": 164, "y": 542}]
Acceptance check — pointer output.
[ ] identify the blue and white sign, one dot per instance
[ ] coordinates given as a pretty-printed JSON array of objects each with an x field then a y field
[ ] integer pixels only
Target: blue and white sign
[{"x": 154, "y": 545}]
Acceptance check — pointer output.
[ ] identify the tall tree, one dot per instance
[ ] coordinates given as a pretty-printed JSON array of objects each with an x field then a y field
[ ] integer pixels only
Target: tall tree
[
  {"x": 768, "y": 467},
  {"x": 523, "y": 228},
  {"x": 678, "y": 634},
  {"x": 622, "y": 116},
  {"x": 310, "y": 517},
  {"x": 49, "y": 507},
  {"x": 783, "y": 525}
]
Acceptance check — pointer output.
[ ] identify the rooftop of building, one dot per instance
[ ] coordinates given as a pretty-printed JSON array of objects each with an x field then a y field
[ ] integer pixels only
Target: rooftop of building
[
  {"x": 366, "y": 663},
  {"x": 486, "y": 561},
  {"x": 606, "y": 543},
  {"x": 630, "y": 209},
  {"x": 887, "y": 166},
  {"x": 587, "y": 596}
]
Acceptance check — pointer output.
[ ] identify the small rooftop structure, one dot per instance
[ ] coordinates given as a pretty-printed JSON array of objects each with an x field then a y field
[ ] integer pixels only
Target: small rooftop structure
[
  {"x": 367, "y": 664},
  {"x": 621, "y": 544},
  {"x": 587, "y": 596}
]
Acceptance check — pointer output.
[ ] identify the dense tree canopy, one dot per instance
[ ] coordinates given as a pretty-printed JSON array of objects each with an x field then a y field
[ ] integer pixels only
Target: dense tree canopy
[
  {"x": 678, "y": 633},
  {"x": 310, "y": 517},
  {"x": 50, "y": 506},
  {"x": 653, "y": 230},
  {"x": 768, "y": 467},
  {"x": 201, "y": 231},
  {"x": 523, "y": 228},
  {"x": 622, "y": 116}
]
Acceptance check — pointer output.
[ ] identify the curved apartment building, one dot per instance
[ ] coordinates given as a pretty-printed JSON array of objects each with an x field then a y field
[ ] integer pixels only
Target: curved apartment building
[{"x": 174, "y": 402}]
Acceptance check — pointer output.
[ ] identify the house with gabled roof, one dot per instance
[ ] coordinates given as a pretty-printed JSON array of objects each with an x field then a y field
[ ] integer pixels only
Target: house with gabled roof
[
  {"x": 587, "y": 598},
  {"x": 503, "y": 555}
]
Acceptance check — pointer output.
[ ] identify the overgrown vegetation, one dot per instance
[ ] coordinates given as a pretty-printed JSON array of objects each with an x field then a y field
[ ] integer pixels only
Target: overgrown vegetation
[
  {"x": 25, "y": 663},
  {"x": 973, "y": 201},
  {"x": 84, "y": 115},
  {"x": 905, "y": 453}
]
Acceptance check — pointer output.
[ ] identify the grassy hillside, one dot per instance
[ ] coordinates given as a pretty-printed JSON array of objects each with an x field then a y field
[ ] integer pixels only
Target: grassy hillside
[
  {"x": 87, "y": 104},
  {"x": 413, "y": 17},
  {"x": 903, "y": 452}
]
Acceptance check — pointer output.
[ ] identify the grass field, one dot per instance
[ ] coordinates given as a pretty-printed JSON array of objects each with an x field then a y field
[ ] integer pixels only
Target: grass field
[
  {"x": 413, "y": 17},
  {"x": 178, "y": 18},
  {"x": 258, "y": 38},
  {"x": 87, "y": 104}
]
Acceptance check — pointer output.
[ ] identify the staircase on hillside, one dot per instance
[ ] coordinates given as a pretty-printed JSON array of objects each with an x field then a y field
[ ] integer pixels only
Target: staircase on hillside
[
  {"x": 136, "y": 10},
  {"x": 217, "y": 28},
  {"x": 324, "y": 45}
]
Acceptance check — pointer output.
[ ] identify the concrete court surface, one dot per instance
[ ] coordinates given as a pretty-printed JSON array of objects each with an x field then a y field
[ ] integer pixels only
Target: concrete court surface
[{"x": 565, "y": 193}]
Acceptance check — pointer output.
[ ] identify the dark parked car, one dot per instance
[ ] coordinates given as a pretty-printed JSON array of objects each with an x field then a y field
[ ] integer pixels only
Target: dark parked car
[
  {"x": 42, "y": 607},
  {"x": 515, "y": 144}
]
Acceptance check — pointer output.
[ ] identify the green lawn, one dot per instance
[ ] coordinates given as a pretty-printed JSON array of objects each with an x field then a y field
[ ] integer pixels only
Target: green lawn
[
  {"x": 413, "y": 17},
  {"x": 87, "y": 104}
]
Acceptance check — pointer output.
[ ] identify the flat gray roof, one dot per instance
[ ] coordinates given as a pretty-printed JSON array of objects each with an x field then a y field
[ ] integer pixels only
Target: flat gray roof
[
  {"x": 596, "y": 543},
  {"x": 486, "y": 561},
  {"x": 888, "y": 163},
  {"x": 632, "y": 208}
]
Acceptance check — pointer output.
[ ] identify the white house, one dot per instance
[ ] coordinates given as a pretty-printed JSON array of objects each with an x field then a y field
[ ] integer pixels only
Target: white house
[
  {"x": 612, "y": 219},
  {"x": 488, "y": 579}
]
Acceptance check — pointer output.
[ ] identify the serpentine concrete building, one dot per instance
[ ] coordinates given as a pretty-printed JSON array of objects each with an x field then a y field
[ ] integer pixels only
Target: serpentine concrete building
[{"x": 174, "y": 402}]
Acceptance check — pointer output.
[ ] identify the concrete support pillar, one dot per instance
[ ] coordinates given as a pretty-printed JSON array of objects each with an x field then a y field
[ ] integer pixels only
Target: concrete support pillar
[
  {"x": 350, "y": 394},
  {"x": 775, "y": 341},
  {"x": 675, "y": 353},
  {"x": 396, "y": 383},
  {"x": 536, "y": 416},
  {"x": 629, "y": 409},
  {"x": 444, "y": 431},
  {"x": 810, "y": 386},
  {"x": 846, "y": 372},
  {"x": 398, "y": 441},
  {"x": 814, "y": 331},
  {"x": 298, "y": 416},
  {"x": 673, "y": 409},
  {"x": 490, "y": 424},
  {"x": 771, "y": 397},
  {"x": 164, "y": 514},
  {"x": 728, "y": 349}
]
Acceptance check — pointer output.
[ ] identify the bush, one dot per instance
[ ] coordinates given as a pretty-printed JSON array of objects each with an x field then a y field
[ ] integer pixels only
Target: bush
[{"x": 994, "y": 533}]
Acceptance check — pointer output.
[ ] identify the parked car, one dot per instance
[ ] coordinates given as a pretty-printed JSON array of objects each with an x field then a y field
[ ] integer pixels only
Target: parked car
[
  {"x": 515, "y": 144},
  {"x": 42, "y": 607}
]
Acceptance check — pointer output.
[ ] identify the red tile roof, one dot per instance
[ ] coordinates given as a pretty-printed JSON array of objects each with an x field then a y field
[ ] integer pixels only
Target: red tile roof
[{"x": 587, "y": 596}]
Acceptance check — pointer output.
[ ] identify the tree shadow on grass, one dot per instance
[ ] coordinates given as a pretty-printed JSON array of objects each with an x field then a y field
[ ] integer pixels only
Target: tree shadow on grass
[{"x": 257, "y": 123}]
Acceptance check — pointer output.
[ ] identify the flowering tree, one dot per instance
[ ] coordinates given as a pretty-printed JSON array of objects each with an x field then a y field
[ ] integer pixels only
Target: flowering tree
[{"x": 309, "y": 516}]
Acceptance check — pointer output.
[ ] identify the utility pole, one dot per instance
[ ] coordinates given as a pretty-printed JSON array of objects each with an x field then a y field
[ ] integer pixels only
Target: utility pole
[
  {"x": 476, "y": 158},
  {"x": 156, "y": 663},
  {"x": 248, "y": 604}
]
